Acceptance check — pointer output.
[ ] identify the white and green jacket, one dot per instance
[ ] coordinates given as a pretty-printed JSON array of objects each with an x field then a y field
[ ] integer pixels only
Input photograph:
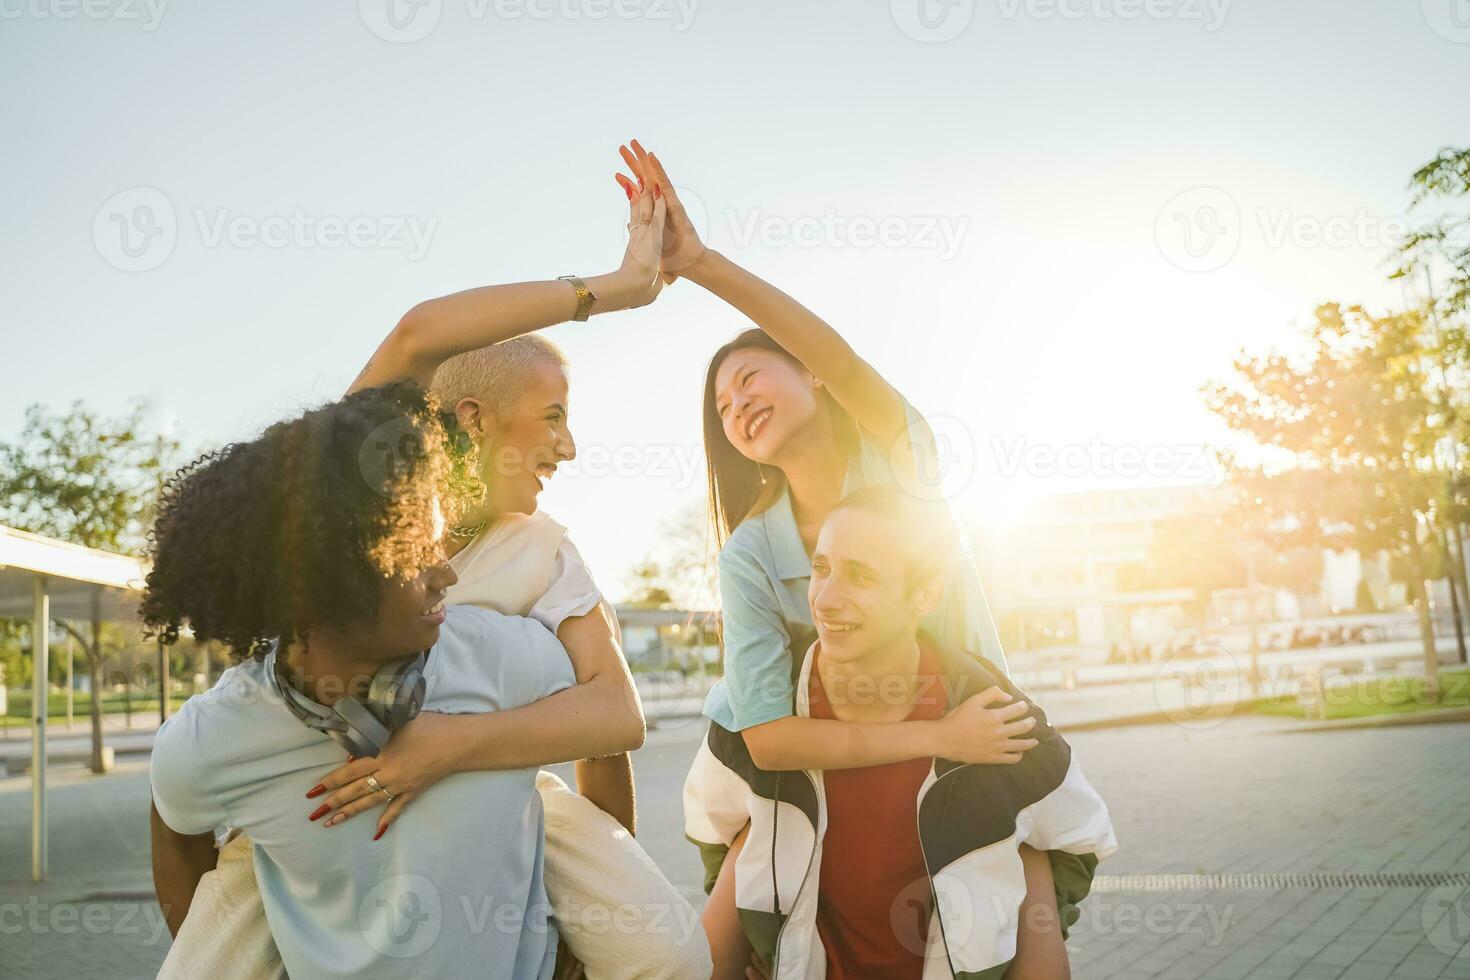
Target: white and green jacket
[{"x": 972, "y": 820}]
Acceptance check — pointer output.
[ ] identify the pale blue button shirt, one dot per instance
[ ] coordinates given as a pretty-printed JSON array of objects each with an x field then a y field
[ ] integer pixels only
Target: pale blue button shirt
[
  {"x": 455, "y": 888},
  {"x": 764, "y": 573}
]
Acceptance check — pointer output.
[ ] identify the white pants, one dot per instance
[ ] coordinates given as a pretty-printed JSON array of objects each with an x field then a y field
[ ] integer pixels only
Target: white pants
[{"x": 615, "y": 910}]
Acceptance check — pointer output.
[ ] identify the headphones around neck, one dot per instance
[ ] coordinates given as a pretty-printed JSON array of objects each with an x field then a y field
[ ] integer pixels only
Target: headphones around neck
[{"x": 362, "y": 727}]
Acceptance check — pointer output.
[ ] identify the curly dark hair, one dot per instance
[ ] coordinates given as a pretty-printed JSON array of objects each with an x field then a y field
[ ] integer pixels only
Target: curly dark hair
[{"x": 303, "y": 526}]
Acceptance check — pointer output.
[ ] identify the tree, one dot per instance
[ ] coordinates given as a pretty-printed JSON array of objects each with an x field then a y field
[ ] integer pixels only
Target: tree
[
  {"x": 92, "y": 481},
  {"x": 1444, "y": 240},
  {"x": 680, "y": 570},
  {"x": 649, "y": 592},
  {"x": 1350, "y": 433},
  {"x": 1196, "y": 551},
  {"x": 1439, "y": 249}
]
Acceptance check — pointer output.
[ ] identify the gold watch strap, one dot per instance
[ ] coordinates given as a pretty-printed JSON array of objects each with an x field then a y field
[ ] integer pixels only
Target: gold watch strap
[{"x": 585, "y": 299}]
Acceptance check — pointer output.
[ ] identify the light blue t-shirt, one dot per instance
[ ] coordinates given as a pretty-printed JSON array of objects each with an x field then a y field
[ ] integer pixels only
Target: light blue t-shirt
[
  {"x": 453, "y": 889},
  {"x": 764, "y": 574}
]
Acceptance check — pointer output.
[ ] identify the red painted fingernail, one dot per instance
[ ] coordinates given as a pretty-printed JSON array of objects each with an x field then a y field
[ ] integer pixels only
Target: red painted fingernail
[
  {"x": 320, "y": 812},
  {"x": 656, "y": 191},
  {"x": 629, "y": 189},
  {"x": 316, "y": 791},
  {"x": 351, "y": 758},
  {"x": 379, "y": 833}
]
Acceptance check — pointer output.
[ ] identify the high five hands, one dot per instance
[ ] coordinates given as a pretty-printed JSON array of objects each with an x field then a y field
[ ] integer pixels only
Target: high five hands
[
  {"x": 678, "y": 242},
  {"x": 640, "y": 274}
]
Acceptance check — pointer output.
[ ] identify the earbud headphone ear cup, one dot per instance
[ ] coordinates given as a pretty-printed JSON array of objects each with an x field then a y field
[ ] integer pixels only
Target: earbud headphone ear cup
[{"x": 363, "y": 726}]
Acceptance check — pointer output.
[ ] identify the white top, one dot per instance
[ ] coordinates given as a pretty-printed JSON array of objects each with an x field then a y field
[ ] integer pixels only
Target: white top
[
  {"x": 525, "y": 565},
  {"x": 417, "y": 901}
]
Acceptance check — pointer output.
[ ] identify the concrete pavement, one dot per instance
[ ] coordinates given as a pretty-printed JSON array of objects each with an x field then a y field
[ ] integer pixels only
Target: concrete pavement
[{"x": 1331, "y": 856}]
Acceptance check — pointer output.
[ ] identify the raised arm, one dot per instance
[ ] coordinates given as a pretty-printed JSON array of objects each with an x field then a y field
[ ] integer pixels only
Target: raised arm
[
  {"x": 438, "y": 329},
  {"x": 853, "y": 382}
]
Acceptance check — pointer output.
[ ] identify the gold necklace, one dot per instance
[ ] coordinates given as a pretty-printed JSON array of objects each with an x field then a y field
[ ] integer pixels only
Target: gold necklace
[{"x": 465, "y": 533}]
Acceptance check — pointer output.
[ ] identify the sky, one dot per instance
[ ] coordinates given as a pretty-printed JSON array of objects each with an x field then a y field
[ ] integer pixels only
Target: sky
[{"x": 1047, "y": 222}]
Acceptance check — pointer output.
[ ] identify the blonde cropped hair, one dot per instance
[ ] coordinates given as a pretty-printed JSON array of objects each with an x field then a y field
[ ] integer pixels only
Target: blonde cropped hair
[{"x": 495, "y": 376}]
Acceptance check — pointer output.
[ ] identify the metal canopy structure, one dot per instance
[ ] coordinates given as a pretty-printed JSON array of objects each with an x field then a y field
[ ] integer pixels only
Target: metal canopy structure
[{"x": 42, "y": 579}]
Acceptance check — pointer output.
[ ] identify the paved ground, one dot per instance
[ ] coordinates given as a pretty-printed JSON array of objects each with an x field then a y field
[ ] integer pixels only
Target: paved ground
[{"x": 1225, "y": 800}]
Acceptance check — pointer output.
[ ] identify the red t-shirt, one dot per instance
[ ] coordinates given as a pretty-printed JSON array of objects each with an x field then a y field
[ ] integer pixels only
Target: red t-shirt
[{"x": 875, "y": 901}]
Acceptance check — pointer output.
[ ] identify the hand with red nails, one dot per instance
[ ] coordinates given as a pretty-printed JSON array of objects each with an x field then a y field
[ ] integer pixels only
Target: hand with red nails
[
  {"x": 681, "y": 245},
  {"x": 413, "y": 760},
  {"x": 641, "y": 262}
]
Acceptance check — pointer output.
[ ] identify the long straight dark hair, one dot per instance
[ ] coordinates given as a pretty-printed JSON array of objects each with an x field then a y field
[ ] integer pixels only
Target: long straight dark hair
[{"x": 735, "y": 487}]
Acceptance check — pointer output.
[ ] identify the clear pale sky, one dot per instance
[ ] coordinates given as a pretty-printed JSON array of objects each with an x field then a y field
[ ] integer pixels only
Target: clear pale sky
[{"x": 1064, "y": 148}]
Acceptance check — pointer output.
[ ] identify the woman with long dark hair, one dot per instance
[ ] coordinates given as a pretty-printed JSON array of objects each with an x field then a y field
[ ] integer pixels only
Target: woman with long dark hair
[{"x": 794, "y": 420}]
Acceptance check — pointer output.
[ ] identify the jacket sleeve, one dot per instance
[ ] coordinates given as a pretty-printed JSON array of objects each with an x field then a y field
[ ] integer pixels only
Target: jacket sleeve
[
  {"x": 716, "y": 808},
  {"x": 1072, "y": 824}
]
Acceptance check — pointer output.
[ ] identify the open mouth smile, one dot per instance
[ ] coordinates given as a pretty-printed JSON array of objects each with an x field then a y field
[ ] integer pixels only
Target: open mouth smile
[
  {"x": 434, "y": 615},
  {"x": 830, "y": 626},
  {"x": 757, "y": 423}
]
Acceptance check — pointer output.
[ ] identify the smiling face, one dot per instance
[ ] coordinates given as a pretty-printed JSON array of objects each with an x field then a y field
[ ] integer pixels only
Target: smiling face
[
  {"x": 862, "y": 594},
  {"x": 522, "y": 444},
  {"x": 763, "y": 398},
  {"x": 411, "y": 611},
  {"x": 410, "y": 607}
]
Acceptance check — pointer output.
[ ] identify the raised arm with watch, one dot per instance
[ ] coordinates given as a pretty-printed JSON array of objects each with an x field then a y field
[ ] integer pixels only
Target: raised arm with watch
[{"x": 438, "y": 329}]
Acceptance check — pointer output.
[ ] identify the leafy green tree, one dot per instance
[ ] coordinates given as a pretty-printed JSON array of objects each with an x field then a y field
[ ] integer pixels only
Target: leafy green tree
[
  {"x": 648, "y": 590},
  {"x": 93, "y": 481},
  {"x": 1349, "y": 434},
  {"x": 1198, "y": 551},
  {"x": 1444, "y": 240},
  {"x": 1437, "y": 255},
  {"x": 681, "y": 568}
]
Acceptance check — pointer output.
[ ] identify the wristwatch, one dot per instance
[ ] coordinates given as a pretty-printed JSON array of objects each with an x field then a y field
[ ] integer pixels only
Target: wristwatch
[{"x": 585, "y": 299}]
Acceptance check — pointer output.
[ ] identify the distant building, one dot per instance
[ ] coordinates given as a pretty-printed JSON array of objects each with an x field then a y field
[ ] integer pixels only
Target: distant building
[
  {"x": 1060, "y": 576},
  {"x": 659, "y": 638},
  {"x": 1057, "y": 577}
]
